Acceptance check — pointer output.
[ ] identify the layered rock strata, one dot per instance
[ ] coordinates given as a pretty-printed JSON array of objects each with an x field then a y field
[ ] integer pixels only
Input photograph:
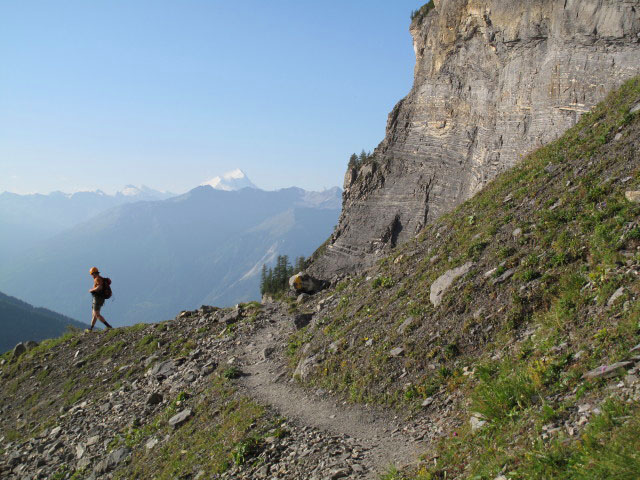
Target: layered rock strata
[{"x": 494, "y": 80}]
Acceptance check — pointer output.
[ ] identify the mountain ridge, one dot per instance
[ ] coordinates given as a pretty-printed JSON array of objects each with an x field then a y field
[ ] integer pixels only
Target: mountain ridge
[
  {"x": 21, "y": 322},
  {"x": 175, "y": 253}
]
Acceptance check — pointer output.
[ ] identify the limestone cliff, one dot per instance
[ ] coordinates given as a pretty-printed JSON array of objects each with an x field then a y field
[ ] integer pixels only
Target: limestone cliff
[{"x": 494, "y": 80}]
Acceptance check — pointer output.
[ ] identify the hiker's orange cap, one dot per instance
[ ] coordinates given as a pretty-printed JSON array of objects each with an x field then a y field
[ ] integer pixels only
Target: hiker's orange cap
[{"x": 93, "y": 270}]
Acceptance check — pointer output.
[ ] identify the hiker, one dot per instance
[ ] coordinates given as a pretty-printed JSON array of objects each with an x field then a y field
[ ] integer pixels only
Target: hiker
[{"x": 98, "y": 297}]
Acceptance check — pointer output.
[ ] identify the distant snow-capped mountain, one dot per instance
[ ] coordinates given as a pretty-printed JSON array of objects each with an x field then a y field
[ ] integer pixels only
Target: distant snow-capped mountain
[{"x": 234, "y": 180}]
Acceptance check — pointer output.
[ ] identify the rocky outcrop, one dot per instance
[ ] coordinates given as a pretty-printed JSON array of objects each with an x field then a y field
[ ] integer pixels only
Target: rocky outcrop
[{"x": 494, "y": 80}]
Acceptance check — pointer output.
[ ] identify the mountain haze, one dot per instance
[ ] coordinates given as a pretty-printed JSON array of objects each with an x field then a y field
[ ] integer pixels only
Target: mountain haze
[
  {"x": 30, "y": 219},
  {"x": 206, "y": 246}
]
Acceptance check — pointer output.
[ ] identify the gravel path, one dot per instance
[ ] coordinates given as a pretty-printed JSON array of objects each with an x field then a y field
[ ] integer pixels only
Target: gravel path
[{"x": 380, "y": 433}]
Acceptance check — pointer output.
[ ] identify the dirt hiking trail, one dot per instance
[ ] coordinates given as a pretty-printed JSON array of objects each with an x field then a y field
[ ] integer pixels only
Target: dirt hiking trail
[{"x": 384, "y": 439}]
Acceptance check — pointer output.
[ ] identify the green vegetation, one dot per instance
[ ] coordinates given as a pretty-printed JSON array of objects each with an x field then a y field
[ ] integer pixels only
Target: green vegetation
[
  {"x": 551, "y": 241},
  {"x": 225, "y": 429},
  {"x": 356, "y": 161},
  {"x": 275, "y": 280},
  {"x": 418, "y": 15}
]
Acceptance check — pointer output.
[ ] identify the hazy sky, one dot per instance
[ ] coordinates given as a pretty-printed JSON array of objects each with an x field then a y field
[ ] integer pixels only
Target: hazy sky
[{"x": 102, "y": 93}]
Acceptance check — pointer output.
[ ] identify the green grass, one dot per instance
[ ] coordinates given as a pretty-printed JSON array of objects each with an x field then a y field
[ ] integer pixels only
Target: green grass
[
  {"x": 576, "y": 240},
  {"x": 225, "y": 429}
]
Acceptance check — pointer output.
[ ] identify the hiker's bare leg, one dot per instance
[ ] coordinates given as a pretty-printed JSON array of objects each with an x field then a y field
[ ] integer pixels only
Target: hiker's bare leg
[
  {"x": 101, "y": 318},
  {"x": 94, "y": 317}
]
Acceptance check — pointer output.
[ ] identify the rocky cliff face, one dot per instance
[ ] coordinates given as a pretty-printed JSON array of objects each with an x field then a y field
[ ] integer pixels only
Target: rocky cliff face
[{"x": 494, "y": 80}]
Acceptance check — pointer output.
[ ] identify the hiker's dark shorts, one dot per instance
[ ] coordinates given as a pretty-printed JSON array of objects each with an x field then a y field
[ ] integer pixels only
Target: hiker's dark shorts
[{"x": 97, "y": 303}]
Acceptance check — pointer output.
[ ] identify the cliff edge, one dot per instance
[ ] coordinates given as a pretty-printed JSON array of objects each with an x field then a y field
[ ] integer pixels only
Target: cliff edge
[{"x": 493, "y": 81}]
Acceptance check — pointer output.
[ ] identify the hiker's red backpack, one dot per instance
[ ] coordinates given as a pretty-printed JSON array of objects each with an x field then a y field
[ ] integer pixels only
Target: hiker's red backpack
[{"x": 106, "y": 288}]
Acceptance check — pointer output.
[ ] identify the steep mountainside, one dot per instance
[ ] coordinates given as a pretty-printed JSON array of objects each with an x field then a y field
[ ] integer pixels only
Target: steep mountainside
[
  {"x": 20, "y": 322},
  {"x": 501, "y": 343},
  {"x": 512, "y": 324},
  {"x": 494, "y": 79},
  {"x": 204, "y": 247}
]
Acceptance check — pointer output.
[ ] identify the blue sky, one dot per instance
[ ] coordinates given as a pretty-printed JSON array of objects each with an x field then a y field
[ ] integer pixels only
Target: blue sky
[{"x": 168, "y": 94}]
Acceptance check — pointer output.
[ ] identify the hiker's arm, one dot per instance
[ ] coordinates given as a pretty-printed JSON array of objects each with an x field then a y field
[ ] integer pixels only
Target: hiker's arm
[{"x": 97, "y": 287}]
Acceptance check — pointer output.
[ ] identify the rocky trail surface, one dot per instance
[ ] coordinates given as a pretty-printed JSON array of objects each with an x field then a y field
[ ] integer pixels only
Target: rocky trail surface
[
  {"x": 118, "y": 404},
  {"x": 381, "y": 436}
]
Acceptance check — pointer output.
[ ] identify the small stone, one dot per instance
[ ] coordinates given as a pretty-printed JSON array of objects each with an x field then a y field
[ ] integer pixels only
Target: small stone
[
  {"x": 617, "y": 294},
  {"x": 617, "y": 137},
  {"x": 79, "y": 451},
  {"x": 396, "y": 352},
  {"x": 152, "y": 442},
  {"x": 444, "y": 281},
  {"x": 18, "y": 350},
  {"x": 116, "y": 457},
  {"x": 606, "y": 371},
  {"x": 93, "y": 440},
  {"x": 477, "y": 422},
  {"x": 301, "y": 320},
  {"x": 55, "y": 432},
  {"x": 154, "y": 399},
  {"x": 83, "y": 463},
  {"x": 427, "y": 401},
  {"x": 339, "y": 473},
  {"x": 632, "y": 195},
  {"x": 636, "y": 107},
  {"x": 163, "y": 370},
  {"x": 488, "y": 273},
  {"x": 630, "y": 380},
  {"x": 504, "y": 277},
  {"x": 267, "y": 352},
  {"x": 180, "y": 418},
  {"x": 406, "y": 324},
  {"x": 584, "y": 408},
  {"x": 517, "y": 233}
]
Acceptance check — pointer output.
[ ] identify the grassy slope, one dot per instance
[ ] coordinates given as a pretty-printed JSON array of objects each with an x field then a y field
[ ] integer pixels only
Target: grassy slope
[
  {"x": 520, "y": 337},
  {"x": 527, "y": 339},
  {"x": 225, "y": 428}
]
